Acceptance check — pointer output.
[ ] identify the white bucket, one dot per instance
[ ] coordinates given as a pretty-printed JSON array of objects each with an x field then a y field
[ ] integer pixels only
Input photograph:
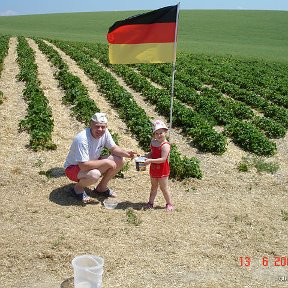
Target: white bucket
[
  {"x": 88, "y": 270},
  {"x": 140, "y": 163}
]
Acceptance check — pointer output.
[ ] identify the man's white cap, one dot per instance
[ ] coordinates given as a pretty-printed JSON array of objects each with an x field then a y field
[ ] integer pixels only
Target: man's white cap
[
  {"x": 100, "y": 118},
  {"x": 158, "y": 124}
]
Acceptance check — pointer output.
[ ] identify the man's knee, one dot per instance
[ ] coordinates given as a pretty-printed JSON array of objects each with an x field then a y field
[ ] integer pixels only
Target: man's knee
[
  {"x": 94, "y": 174},
  {"x": 118, "y": 160}
]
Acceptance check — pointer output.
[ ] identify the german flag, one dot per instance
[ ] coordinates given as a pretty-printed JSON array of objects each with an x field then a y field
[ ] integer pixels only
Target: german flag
[{"x": 144, "y": 38}]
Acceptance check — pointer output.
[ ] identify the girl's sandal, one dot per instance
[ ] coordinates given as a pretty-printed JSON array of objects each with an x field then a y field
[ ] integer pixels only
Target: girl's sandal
[
  {"x": 149, "y": 206},
  {"x": 169, "y": 207}
]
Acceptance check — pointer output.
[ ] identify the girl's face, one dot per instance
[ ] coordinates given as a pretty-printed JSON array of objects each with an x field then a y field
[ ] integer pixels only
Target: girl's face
[{"x": 160, "y": 135}]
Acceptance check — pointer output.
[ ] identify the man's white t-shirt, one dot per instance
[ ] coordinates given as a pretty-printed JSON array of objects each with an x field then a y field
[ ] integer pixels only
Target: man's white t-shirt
[{"x": 85, "y": 147}]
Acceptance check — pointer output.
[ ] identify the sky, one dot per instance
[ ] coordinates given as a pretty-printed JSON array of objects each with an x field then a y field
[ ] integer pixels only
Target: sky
[{"x": 28, "y": 7}]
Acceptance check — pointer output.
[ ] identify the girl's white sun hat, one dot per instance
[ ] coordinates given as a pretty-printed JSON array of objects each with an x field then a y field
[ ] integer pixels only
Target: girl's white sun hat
[{"x": 158, "y": 124}]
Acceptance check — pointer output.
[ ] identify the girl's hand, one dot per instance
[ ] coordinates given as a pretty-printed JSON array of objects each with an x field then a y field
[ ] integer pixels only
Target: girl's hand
[
  {"x": 148, "y": 155},
  {"x": 147, "y": 162}
]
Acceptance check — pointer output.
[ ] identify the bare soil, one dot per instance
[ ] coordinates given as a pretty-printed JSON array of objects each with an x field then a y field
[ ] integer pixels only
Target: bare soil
[{"x": 224, "y": 216}]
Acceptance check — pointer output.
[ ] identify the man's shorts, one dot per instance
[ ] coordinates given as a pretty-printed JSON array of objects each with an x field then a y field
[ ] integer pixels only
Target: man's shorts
[{"x": 72, "y": 172}]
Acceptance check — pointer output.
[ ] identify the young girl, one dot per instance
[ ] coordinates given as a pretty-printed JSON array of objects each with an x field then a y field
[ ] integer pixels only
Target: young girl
[{"x": 159, "y": 165}]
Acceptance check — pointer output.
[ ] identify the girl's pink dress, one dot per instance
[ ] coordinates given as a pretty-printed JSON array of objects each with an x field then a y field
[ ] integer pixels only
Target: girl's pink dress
[{"x": 162, "y": 169}]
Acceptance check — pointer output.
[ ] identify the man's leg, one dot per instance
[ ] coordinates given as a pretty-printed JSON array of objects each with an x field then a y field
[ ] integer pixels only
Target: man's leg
[
  {"x": 110, "y": 173},
  {"x": 86, "y": 179}
]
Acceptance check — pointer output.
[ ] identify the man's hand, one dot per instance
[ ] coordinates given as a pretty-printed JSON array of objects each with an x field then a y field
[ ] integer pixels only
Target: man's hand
[
  {"x": 132, "y": 154},
  {"x": 116, "y": 150}
]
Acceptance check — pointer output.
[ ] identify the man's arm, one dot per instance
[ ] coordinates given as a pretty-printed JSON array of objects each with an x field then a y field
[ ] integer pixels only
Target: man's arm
[{"x": 118, "y": 151}]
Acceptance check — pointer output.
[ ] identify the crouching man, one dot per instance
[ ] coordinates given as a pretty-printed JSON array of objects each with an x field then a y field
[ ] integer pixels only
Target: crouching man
[{"x": 84, "y": 163}]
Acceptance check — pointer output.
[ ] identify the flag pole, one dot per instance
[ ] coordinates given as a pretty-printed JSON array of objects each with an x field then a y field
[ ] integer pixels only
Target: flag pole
[{"x": 173, "y": 72}]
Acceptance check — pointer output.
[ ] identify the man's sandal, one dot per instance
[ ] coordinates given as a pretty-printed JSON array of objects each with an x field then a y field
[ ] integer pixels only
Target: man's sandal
[
  {"x": 84, "y": 198},
  {"x": 107, "y": 193}
]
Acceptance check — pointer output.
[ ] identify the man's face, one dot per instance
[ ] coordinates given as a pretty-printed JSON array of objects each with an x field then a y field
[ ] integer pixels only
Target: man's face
[{"x": 97, "y": 129}]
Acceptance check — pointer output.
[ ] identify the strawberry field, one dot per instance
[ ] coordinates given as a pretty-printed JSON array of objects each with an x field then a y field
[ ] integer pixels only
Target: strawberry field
[
  {"x": 224, "y": 109},
  {"x": 247, "y": 101}
]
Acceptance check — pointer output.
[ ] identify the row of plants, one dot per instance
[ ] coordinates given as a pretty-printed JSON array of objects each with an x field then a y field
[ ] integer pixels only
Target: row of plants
[
  {"x": 76, "y": 94},
  {"x": 192, "y": 123},
  {"x": 268, "y": 80},
  {"x": 1, "y": 97},
  {"x": 253, "y": 140},
  {"x": 38, "y": 121},
  {"x": 212, "y": 103},
  {"x": 4, "y": 42},
  {"x": 221, "y": 108},
  {"x": 271, "y": 109},
  {"x": 134, "y": 116}
]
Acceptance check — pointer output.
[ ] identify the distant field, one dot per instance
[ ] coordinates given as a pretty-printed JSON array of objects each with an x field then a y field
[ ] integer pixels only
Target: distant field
[{"x": 253, "y": 34}]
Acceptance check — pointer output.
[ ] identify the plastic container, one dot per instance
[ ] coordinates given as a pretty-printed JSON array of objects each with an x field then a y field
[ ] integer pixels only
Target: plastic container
[
  {"x": 110, "y": 203},
  {"x": 88, "y": 270},
  {"x": 140, "y": 163}
]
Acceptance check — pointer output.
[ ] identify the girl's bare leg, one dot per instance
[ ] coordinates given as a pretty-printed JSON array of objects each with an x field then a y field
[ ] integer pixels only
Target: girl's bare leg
[
  {"x": 163, "y": 183},
  {"x": 153, "y": 191}
]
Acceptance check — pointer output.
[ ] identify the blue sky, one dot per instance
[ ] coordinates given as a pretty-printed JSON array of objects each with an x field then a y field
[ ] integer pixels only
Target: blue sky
[{"x": 23, "y": 7}]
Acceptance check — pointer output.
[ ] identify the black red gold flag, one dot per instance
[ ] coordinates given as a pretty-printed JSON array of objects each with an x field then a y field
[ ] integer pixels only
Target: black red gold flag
[{"x": 144, "y": 38}]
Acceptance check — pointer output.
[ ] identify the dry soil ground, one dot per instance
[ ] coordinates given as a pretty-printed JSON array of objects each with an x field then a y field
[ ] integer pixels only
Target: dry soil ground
[{"x": 218, "y": 219}]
